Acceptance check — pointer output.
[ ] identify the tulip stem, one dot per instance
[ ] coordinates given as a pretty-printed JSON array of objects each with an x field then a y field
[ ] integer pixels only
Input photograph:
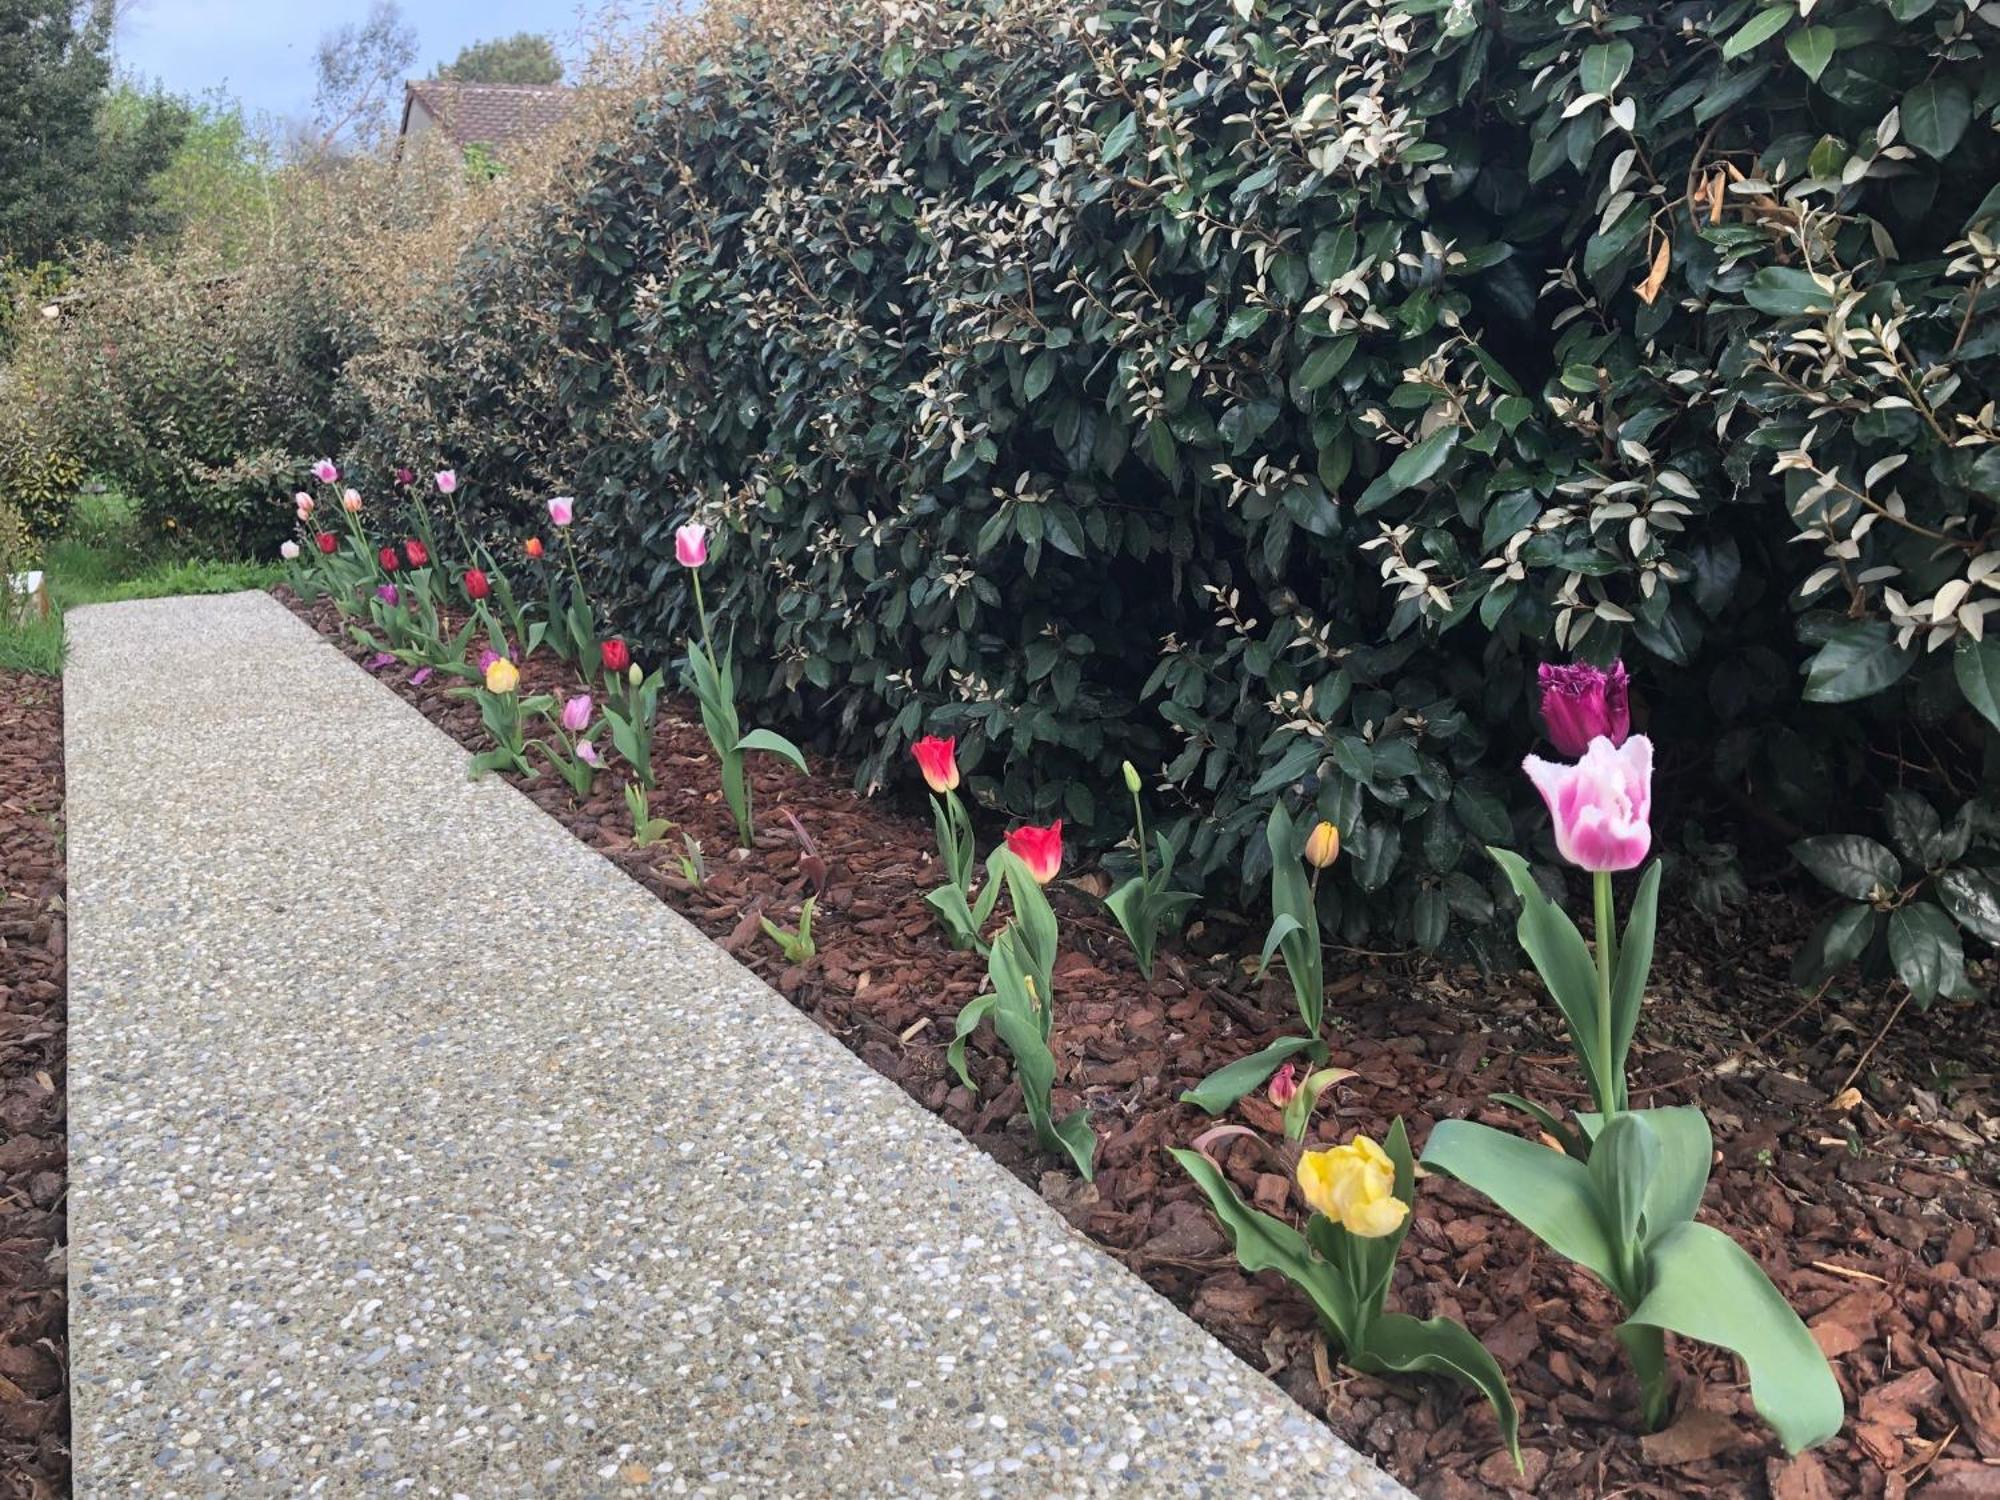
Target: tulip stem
[
  {"x": 1139, "y": 820},
  {"x": 1607, "y": 960},
  {"x": 701, "y": 614}
]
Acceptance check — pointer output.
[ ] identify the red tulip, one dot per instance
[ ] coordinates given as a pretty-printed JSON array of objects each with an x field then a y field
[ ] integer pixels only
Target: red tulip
[
  {"x": 1040, "y": 849},
  {"x": 533, "y": 546},
  {"x": 328, "y": 542},
  {"x": 938, "y": 760},
  {"x": 388, "y": 559},
  {"x": 476, "y": 586},
  {"x": 416, "y": 552},
  {"x": 617, "y": 656}
]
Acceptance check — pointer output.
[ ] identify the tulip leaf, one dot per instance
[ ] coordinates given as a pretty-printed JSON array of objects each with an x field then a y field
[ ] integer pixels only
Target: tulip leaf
[
  {"x": 1561, "y": 957},
  {"x": 1226, "y": 1085},
  {"x": 1440, "y": 1346},
  {"x": 1267, "y": 1244},
  {"x": 1549, "y": 1194},
  {"x": 969, "y": 1018},
  {"x": 773, "y": 743},
  {"x": 1572, "y": 1140},
  {"x": 1705, "y": 1286}
]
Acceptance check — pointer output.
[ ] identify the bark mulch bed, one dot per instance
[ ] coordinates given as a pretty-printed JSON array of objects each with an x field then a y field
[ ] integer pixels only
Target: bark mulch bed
[
  {"x": 34, "y": 1358},
  {"x": 1875, "y": 1211}
]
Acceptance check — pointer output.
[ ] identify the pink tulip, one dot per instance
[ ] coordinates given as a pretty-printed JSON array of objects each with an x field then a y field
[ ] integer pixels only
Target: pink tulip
[
  {"x": 561, "y": 509},
  {"x": 576, "y": 713},
  {"x": 1602, "y": 805},
  {"x": 447, "y": 481},
  {"x": 587, "y": 753},
  {"x": 691, "y": 544},
  {"x": 325, "y": 472},
  {"x": 1580, "y": 702},
  {"x": 304, "y": 502}
]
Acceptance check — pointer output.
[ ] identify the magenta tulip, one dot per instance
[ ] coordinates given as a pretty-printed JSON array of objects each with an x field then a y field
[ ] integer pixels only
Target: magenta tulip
[
  {"x": 1602, "y": 805},
  {"x": 576, "y": 713},
  {"x": 691, "y": 544},
  {"x": 325, "y": 471},
  {"x": 562, "y": 510},
  {"x": 447, "y": 481},
  {"x": 1581, "y": 702}
]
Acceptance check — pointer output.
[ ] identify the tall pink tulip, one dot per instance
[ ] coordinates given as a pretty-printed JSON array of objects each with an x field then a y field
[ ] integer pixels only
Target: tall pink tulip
[
  {"x": 1581, "y": 702},
  {"x": 325, "y": 471},
  {"x": 691, "y": 544},
  {"x": 304, "y": 502},
  {"x": 562, "y": 510},
  {"x": 1602, "y": 805},
  {"x": 447, "y": 481},
  {"x": 576, "y": 713}
]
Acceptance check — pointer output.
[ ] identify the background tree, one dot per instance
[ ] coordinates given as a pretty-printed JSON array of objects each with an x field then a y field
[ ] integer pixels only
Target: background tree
[
  {"x": 53, "y": 69},
  {"x": 525, "y": 57},
  {"x": 361, "y": 69}
]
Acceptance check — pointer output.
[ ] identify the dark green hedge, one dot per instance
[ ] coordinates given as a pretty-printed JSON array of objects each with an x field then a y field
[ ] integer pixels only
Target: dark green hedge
[{"x": 1260, "y": 391}]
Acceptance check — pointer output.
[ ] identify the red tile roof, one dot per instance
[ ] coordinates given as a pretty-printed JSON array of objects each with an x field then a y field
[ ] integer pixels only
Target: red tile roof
[{"x": 489, "y": 114}]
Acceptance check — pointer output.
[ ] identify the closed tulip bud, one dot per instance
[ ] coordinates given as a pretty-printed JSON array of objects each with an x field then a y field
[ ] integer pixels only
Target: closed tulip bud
[
  {"x": 502, "y": 676},
  {"x": 562, "y": 510},
  {"x": 1040, "y": 849},
  {"x": 532, "y": 546},
  {"x": 389, "y": 595},
  {"x": 938, "y": 760},
  {"x": 633, "y": 675},
  {"x": 447, "y": 481},
  {"x": 289, "y": 551},
  {"x": 1355, "y": 1186},
  {"x": 416, "y": 552},
  {"x": 304, "y": 502},
  {"x": 327, "y": 542},
  {"x": 476, "y": 584},
  {"x": 1285, "y": 1085},
  {"x": 1131, "y": 778},
  {"x": 615, "y": 655},
  {"x": 388, "y": 559},
  {"x": 691, "y": 544},
  {"x": 576, "y": 713},
  {"x": 1322, "y": 845},
  {"x": 351, "y": 502},
  {"x": 405, "y": 477}
]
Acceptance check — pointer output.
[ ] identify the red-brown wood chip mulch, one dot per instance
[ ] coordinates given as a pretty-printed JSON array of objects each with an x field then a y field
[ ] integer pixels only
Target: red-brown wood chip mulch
[
  {"x": 34, "y": 1359},
  {"x": 1875, "y": 1212}
]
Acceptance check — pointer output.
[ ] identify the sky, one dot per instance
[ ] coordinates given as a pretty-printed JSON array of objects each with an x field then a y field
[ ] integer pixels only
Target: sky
[{"x": 261, "y": 51}]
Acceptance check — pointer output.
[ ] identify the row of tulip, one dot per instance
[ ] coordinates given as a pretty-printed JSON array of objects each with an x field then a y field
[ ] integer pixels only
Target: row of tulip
[{"x": 1617, "y": 1194}]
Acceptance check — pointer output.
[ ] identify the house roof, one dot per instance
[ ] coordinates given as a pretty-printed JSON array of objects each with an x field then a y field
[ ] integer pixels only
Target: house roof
[{"x": 488, "y": 114}]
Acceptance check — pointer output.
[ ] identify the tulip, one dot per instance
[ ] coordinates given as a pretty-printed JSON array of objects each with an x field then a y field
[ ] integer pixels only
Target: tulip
[
  {"x": 304, "y": 502},
  {"x": 576, "y": 713},
  {"x": 447, "y": 481},
  {"x": 486, "y": 659},
  {"x": 691, "y": 544},
  {"x": 502, "y": 676},
  {"x": 351, "y": 501},
  {"x": 1040, "y": 849},
  {"x": 405, "y": 477},
  {"x": 938, "y": 760},
  {"x": 1322, "y": 845},
  {"x": 289, "y": 551},
  {"x": 476, "y": 585},
  {"x": 532, "y": 546},
  {"x": 388, "y": 559},
  {"x": 1132, "y": 782},
  {"x": 587, "y": 753},
  {"x": 387, "y": 594},
  {"x": 1284, "y": 1085},
  {"x": 325, "y": 472},
  {"x": 327, "y": 542},
  {"x": 416, "y": 552},
  {"x": 561, "y": 510},
  {"x": 634, "y": 675},
  {"x": 1602, "y": 805},
  {"x": 615, "y": 654},
  {"x": 1581, "y": 702},
  {"x": 421, "y": 676},
  {"x": 1355, "y": 1186}
]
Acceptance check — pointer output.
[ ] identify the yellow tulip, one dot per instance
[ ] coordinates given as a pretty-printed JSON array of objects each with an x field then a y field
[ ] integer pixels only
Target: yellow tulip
[
  {"x": 502, "y": 676},
  {"x": 1322, "y": 845},
  {"x": 1355, "y": 1186}
]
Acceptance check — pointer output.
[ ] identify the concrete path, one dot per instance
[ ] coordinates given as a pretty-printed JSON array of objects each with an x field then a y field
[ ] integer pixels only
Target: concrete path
[{"x": 418, "y": 1151}]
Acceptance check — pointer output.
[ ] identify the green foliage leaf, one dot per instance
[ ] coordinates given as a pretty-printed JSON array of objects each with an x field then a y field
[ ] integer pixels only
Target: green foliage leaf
[
  {"x": 1924, "y": 947},
  {"x": 1935, "y": 114},
  {"x": 1850, "y": 864},
  {"x": 1812, "y": 49},
  {"x": 1440, "y": 1346},
  {"x": 1562, "y": 958},
  {"x": 1858, "y": 661},
  {"x": 1974, "y": 899},
  {"x": 1411, "y": 468},
  {"x": 1548, "y": 1193},
  {"x": 1976, "y": 665},
  {"x": 1758, "y": 29},
  {"x": 1705, "y": 1287}
]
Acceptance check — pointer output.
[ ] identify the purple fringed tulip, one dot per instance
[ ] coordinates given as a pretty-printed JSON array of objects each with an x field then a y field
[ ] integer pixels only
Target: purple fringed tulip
[
  {"x": 1581, "y": 702},
  {"x": 576, "y": 713},
  {"x": 1602, "y": 805}
]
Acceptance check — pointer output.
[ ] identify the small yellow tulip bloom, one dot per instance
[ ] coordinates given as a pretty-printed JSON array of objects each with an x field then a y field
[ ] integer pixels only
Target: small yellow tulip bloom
[
  {"x": 502, "y": 676},
  {"x": 1355, "y": 1186},
  {"x": 1322, "y": 845}
]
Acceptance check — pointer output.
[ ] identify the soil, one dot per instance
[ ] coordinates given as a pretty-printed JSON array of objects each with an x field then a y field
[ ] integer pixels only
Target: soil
[
  {"x": 34, "y": 1159},
  {"x": 1855, "y": 1161}
]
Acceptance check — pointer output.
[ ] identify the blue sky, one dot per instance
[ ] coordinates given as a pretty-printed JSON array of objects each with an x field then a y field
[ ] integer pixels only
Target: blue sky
[{"x": 261, "y": 51}]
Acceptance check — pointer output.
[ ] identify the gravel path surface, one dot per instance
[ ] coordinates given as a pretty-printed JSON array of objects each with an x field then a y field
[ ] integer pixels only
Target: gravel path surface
[{"x": 415, "y": 1150}]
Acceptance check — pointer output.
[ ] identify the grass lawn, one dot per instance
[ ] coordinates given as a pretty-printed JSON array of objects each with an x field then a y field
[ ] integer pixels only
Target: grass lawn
[{"x": 100, "y": 558}]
